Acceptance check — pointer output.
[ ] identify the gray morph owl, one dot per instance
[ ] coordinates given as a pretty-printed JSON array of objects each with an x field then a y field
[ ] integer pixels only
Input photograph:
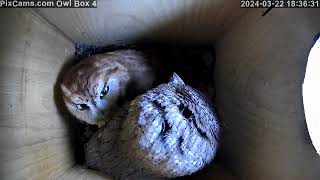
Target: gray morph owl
[{"x": 169, "y": 131}]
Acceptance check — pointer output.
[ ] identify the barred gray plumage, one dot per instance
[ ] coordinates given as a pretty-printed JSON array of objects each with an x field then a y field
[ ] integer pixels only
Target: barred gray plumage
[{"x": 170, "y": 131}]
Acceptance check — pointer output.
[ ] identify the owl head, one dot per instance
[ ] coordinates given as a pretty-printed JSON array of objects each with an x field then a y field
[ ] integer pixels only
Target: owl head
[
  {"x": 176, "y": 129},
  {"x": 91, "y": 88}
]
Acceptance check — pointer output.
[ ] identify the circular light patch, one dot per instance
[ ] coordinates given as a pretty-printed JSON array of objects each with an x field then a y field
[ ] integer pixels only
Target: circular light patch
[{"x": 311, "y": 95}]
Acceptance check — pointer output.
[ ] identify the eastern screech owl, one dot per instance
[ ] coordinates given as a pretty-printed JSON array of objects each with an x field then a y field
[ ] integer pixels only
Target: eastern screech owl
[
  {"x": 91, "y": 88},
  {"x": 169, "y": 131}
]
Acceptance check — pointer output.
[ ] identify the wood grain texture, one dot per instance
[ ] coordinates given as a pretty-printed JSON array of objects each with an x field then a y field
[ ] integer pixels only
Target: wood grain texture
[
  {"x": 121, "y": 21},
  {"x": 34, "y": 137},
  {"x": 259, "y": 73},
  {"x": 80, "y": 173}
]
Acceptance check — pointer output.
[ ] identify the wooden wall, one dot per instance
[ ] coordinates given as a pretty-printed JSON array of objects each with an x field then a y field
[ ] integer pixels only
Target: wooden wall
[
  {"x": 121, "y": 21},
  {"x": 33, "y": 135},
  {"x": 259, "y": 73}
]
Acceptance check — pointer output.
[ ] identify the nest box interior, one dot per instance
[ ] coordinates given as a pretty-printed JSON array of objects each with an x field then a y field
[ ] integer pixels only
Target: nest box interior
[{"x": 260, "y": 67}]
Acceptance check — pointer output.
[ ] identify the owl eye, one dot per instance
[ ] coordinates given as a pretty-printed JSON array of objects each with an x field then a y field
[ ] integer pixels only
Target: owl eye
[
  {"x": 104, "y": 92},
  {"x": 82, "y": 107}
]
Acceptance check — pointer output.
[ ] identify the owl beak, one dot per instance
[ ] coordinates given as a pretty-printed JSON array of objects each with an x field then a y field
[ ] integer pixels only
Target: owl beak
[{"x": 101, "y": 113}]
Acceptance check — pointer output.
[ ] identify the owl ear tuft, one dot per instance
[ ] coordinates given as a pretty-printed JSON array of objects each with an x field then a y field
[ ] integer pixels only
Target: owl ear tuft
[
  {"x": 65, "y": 90},
  {"x": 175, "y": 79}
]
